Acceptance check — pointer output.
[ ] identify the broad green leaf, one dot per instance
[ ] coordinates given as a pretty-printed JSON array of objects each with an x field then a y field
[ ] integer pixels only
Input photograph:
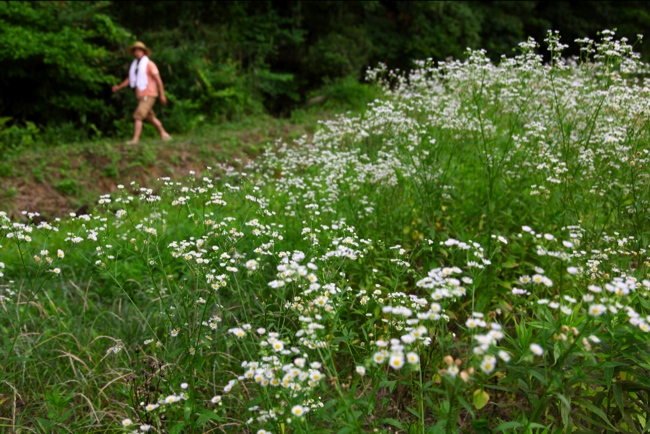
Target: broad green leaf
[{"x": 481, "y": 398}]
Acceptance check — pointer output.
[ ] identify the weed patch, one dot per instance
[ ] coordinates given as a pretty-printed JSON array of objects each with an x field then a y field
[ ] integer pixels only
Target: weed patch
[{"x": 470, "y": 253}]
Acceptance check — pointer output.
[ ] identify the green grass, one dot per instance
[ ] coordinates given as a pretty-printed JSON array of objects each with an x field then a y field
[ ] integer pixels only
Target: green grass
[
  {"x": 74, "y": 175},
  {"x": 468, "y": 254}
]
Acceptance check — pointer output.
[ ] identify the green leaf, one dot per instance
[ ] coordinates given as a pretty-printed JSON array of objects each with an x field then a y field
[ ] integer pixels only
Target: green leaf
[
  {"x": 481, "y": 398},
  {"x": 507, "y": 425},
  {"x": 393, "y": 422},
  {"x": 505, "y": 284},
  {"x": 563, "y": 398},
  {"x": 178, "y": 428},
  {"x": 390, "y": 384},
  {"x": 609, "y": 375},
  {"x": 414, "y": 412},
  {"x": 348, "y": 337},
  {"x": 565, "y": 409},
  {"x": 538, "y": 375},
  {"x": 207, "y": 415},
  {"x": 557, "y": 352},
  {"x": 597, "y": 411},
  {"x": 466, "y": 406},
  {"x": 480, "y": 424},
  {"x": 44, "y": 422},
  {"x": 618, "y": 397}
]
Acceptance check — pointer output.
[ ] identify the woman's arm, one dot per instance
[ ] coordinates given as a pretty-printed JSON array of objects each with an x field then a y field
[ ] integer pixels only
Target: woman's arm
[
  {"x": 122, "y": 85},
  {"x": 161, "y": 89}
]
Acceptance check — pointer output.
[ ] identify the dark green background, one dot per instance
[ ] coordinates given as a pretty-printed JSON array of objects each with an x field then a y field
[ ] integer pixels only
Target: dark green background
[{"x": 221, "y": 60}]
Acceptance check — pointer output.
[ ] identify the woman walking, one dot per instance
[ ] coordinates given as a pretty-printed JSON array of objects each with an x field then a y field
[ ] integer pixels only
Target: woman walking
[{"x": 145, "y": 78}]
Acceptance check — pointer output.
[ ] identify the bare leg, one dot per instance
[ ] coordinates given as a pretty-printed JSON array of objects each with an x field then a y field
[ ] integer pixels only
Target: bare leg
[
  {"x": 137, "y": 130},
  {"x": 158, "y": 125}
]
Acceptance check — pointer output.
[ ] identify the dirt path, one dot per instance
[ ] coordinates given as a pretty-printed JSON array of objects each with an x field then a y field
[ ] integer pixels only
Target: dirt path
[{"x": 70, "y": 178}]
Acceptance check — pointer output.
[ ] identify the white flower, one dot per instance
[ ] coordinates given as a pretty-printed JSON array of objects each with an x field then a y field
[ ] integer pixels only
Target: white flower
[
  {"x": 379, "y": 357},
  {"x": 171, "y": 399},
  {"x": 412, "y": 358},
  {"x": 60, "y": 254},
  {"x": 536, "y": 349},
  {"x": 504, "y": 356},
  {"x": 361, "y": 370},
  {"x": 396, "y": 360},
  {"x": 315, "y": 375},
  {"x": 216, "y": 399},
  {"x": 453, "y": 370},
  {"x": 298, "y": 410},
  {"x": 228, "y": 387},
  {"x": 127, "y": 422},
  {"x": 488, "y": 364},
  {"x": 597, "y": 309},
  {"x": 237, "y": 332}
]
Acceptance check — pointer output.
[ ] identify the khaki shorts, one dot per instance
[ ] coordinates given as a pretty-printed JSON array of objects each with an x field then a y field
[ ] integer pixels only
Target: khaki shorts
[{"x": 145, "y": 109}]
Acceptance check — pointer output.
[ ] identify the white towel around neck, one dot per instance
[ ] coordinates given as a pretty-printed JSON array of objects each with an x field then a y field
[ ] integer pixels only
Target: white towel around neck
[{"x": 141, "y": 80}]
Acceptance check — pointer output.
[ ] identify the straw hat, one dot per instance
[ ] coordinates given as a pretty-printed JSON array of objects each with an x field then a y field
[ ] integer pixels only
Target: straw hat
[{"x": 140, "y": 45}]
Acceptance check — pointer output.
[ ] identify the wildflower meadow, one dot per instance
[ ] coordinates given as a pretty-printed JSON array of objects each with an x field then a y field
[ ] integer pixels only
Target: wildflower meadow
[{"x": 467, "y": 255}]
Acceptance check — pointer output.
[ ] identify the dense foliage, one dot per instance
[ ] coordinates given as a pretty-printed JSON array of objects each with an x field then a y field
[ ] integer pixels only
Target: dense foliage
[
  {"x": 55, "y": 61},
  {"x": 470, "y": 254},
  {"x": 223, "y": 59}
]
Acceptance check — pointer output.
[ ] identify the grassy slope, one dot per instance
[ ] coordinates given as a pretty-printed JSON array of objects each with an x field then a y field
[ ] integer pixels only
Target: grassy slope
[{"x": 70, "y": 177}]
